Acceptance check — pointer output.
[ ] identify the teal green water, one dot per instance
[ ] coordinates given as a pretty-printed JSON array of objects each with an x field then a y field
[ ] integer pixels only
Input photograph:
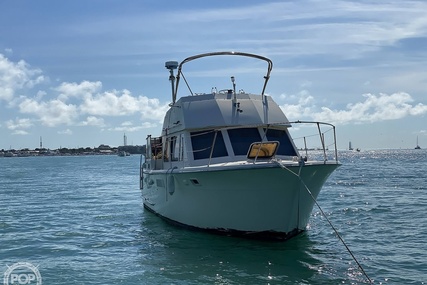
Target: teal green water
[{"x": 81, "y": 221}]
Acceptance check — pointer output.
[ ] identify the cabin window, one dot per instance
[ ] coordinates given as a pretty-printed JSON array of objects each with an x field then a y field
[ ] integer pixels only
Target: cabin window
[
  {"x": 165, "y": 150},
  {"x": 181, "y": 148},
  {"x": 176, "y": 148},
  {"x": 202, "y": 144},
  {"x": 156, "y": 147},
  {"x": 241, "y": 139},
  {"x": 174, "y": 145},
  {"x": 285, "y": 146}
]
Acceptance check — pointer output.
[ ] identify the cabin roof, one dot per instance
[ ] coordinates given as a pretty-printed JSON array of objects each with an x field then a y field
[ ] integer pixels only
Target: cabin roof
[{"x": 220, "y": 110}]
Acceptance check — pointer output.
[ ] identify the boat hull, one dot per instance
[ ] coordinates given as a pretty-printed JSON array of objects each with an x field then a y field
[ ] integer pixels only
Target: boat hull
[{"x": 261, "y": 201}]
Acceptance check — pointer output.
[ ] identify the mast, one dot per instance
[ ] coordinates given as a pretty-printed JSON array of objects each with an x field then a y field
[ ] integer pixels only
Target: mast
[
  {"x": 418, "y": 146},
  {"x": 172, "y": 65}
]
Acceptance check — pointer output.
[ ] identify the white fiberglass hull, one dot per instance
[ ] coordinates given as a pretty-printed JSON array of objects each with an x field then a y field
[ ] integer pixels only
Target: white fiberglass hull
[{"x": 257, "y": 200}]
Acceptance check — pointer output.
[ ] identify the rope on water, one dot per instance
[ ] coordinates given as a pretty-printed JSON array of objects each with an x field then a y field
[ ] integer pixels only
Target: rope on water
[{"x": 324, "y": 215}]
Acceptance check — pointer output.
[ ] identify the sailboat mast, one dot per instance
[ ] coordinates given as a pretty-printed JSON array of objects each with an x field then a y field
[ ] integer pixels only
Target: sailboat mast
[{"x": 417, "y": 146}]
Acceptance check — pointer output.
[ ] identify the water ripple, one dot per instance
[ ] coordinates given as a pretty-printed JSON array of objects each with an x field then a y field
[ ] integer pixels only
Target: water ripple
[{"x": 81, "y": 220}]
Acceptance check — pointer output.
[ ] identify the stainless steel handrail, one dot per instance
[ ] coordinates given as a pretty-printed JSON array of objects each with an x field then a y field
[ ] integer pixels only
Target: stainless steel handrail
[{"x": 266, "y": 77}]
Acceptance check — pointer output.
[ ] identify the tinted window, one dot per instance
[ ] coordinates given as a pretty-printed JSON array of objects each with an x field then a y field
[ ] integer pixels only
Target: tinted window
[
  {"x": 285, "y": 147},
  {"x": 202, "y": 144},
  {"x": 241, "y": 139}
]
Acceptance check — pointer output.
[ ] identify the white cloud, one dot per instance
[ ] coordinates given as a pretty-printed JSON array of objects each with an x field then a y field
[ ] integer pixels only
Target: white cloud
[
  {"x": 122, "y": 103},
  {"x": 83, "y": 89},
  {"x": 40, "y": 95},
  {"x": 110, "y": 103},
  {"x": 18, "y": 124},
  {"x": 127, "y": 123},
  {"x": 126, "y": 127},
  {"x": 93, "y": 121},
  {"x": 20, "y": 132},
  {"x": 89, "y": 100},
  {"x": 51, "y": 113},
  {"x": 373, "y": 109},
  {"x": 312, "y": 27},
  {"x": 308, "y": 27},
  {"x": 65, "y": 132},
  {"x": 304, "y": 105},
  {"x": 16, "y": 76}
]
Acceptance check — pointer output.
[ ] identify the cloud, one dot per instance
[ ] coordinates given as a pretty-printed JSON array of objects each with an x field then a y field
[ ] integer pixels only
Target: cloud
[
  {"x": 16, "y": 76},
  {"x": 127, "y": 123},
  {"x": 347, "y": 29},
  {"x": 65, "y": 132},
  {"x": 90, "y": 101},
  {"x": 93, "y": 121},
  {"x": 129, "y": 127},
  {"x": 374, "y": 108},
  {"x": 51, "y": 113},
  {"x": 83, "y": 89},
  {"x": 20, "y": 132},
  {"x": 323, "y": 28},
  {"x": 18, "y": 124},
  {"x": 122, "y": 103},
  {"x": 304, "y": 106},
  {"x": 112, "y": 103}
]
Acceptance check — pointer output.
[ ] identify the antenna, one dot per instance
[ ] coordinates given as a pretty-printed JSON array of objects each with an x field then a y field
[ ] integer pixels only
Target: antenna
[
  {"x": 171, "y": 65},
  {"x": 234, "y": 89},
  {"x": 234, "y": 84}
]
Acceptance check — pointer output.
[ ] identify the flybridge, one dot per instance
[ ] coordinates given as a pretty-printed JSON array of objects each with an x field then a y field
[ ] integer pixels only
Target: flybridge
[
  {"x": 172, "y": 65},
  {"x": 219, "y": 110}
]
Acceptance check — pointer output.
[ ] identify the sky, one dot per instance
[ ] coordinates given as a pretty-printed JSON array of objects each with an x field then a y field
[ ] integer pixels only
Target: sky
[{"x": 84, "y": 73}]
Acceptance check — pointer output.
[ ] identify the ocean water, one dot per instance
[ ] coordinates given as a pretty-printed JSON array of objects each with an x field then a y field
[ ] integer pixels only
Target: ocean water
[{"x": 80, "y": 220}]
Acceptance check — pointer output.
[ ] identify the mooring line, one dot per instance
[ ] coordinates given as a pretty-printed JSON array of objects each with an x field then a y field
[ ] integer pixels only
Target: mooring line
[{"x": 327, "y": 219}]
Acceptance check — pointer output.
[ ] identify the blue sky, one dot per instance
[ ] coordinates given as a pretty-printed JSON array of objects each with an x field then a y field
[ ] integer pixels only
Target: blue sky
[{"x": 83, "y": 73}]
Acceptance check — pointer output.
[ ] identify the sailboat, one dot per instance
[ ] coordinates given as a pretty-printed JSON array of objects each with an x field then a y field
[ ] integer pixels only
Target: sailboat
[
  {"x": 351, "y": 148},
  {"x": 418, "y": 146}
]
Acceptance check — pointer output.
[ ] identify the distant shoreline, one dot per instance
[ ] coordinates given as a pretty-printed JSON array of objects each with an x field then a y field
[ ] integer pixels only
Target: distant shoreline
[{"x": 101, "y": 150}]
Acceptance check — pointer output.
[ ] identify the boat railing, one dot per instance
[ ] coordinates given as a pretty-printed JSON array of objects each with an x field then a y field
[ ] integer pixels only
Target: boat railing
[
  {"x": 172, "y": 65},
  {"x": 317, "y": 144}
]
